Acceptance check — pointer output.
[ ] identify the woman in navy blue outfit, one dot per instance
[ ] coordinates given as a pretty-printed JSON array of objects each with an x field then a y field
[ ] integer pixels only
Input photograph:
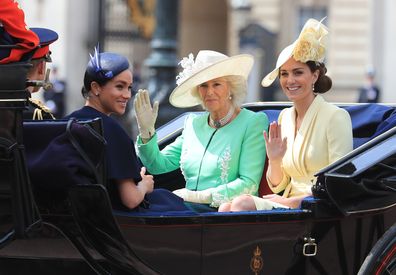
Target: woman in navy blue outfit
[{"x": 107, "y": 90}]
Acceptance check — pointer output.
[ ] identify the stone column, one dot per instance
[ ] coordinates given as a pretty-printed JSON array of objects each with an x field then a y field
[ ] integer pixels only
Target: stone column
[{"x": 163, "y": 60}]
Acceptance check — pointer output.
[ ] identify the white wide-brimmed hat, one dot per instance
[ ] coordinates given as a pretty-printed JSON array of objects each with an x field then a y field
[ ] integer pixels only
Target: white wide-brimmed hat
[
  {"x": 208, "y": 65},
  {"x": 309, "y": 46}
]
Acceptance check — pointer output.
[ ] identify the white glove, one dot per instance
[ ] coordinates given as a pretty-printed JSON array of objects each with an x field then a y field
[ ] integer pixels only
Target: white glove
[
  {"x": 204, "y": 196},
  {"x": 145, "y": 114}
]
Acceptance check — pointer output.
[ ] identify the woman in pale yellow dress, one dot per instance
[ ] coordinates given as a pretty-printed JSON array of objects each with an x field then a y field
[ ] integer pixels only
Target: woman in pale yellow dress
[{"x": 308, "y": 136}]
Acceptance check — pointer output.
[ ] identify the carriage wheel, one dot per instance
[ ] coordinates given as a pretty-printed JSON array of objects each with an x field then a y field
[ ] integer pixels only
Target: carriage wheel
[{"x": 382, "y": 258}]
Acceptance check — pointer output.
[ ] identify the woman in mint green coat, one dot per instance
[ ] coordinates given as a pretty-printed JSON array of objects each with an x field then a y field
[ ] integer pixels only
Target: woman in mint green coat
[{"x": 221, "y": 153}]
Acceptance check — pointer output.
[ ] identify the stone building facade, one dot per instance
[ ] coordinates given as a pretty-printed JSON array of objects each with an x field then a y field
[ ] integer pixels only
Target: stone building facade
[
  {"x": 350, "y": 49},
  {"x": 362, "y": 34}
]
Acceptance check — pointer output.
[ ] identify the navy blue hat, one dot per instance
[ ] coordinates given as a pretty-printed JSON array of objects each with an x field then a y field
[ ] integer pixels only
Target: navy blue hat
[
  {"x": 46, "y": 37},
  {"x": 106, "y": 65}
]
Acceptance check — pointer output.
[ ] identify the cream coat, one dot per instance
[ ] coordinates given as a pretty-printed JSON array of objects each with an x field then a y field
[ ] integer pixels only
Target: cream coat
[{"x": 325, "y": 135}]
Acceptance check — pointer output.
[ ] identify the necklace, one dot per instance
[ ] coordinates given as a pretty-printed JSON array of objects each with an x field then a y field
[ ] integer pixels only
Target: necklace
[{"x": 222, "y": 121}]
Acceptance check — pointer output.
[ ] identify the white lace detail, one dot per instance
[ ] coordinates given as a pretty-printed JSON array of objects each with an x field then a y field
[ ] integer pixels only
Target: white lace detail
[
  {"x": 183, "y": 157},
  {"x": 218, "y": 199},
  {"x": 221, "y": 197},
  {"x": 224, "y": 163}
]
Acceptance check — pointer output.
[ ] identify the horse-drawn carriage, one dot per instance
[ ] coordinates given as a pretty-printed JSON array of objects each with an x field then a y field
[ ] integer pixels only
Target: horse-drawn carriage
[{"x": 347, "y": 226}]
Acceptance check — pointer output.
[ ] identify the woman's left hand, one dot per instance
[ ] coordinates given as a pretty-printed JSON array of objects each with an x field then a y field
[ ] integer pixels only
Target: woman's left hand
[{"x": 146, "y": 185}]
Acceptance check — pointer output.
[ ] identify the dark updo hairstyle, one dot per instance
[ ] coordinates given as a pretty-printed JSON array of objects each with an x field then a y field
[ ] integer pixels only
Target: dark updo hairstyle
[
  {"x": 101, "y": 68},
  {"x": 324, "y": 83}
]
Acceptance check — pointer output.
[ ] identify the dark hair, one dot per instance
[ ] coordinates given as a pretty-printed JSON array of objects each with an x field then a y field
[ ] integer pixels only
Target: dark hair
[
  {"x": 101, "y": 68},
  {"x": 324, "y": 83},
  {"x": 88, "y": 79}
]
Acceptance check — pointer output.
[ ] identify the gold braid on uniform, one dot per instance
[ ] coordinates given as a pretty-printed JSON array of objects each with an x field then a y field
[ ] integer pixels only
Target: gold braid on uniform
[{"x": 39, "y": 109}]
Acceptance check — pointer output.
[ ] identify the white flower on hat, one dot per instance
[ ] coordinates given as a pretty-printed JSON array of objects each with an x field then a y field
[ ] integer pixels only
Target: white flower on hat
[{"x": 189, "y": 68}]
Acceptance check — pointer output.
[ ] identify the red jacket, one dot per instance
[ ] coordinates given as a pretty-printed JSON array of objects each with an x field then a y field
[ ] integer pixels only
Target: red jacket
[{"x": 12, "y": 19}]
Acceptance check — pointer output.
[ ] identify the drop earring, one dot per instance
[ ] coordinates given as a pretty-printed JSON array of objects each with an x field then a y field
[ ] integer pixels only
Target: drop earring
[{"x": 313, "y": 87}]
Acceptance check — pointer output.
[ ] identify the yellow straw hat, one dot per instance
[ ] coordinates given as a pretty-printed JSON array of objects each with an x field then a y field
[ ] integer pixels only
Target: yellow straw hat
[{"x": 309, "y": 46}]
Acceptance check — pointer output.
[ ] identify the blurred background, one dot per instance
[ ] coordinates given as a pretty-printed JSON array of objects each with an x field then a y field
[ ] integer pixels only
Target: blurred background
[{"x": 156, "y": 34}]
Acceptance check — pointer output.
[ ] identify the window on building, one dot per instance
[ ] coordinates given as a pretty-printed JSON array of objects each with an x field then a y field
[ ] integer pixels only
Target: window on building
[{"x": 316, "y": 12}]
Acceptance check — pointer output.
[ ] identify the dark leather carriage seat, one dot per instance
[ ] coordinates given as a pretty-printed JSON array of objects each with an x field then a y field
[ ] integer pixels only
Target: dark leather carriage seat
[
  {"x": 61, "y": 154},
  {"x": 368, "y": 121}
]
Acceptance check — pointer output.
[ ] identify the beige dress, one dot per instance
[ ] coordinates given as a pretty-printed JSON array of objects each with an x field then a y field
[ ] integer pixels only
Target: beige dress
[{"x": 325, "y": 135}]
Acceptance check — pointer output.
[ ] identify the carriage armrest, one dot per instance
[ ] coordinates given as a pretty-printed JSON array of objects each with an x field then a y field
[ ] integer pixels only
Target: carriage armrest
[{"x": 319, "y": 207}]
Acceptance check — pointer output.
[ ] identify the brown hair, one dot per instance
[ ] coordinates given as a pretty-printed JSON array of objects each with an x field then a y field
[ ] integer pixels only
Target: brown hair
[{"x": 324, "y": 83}]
